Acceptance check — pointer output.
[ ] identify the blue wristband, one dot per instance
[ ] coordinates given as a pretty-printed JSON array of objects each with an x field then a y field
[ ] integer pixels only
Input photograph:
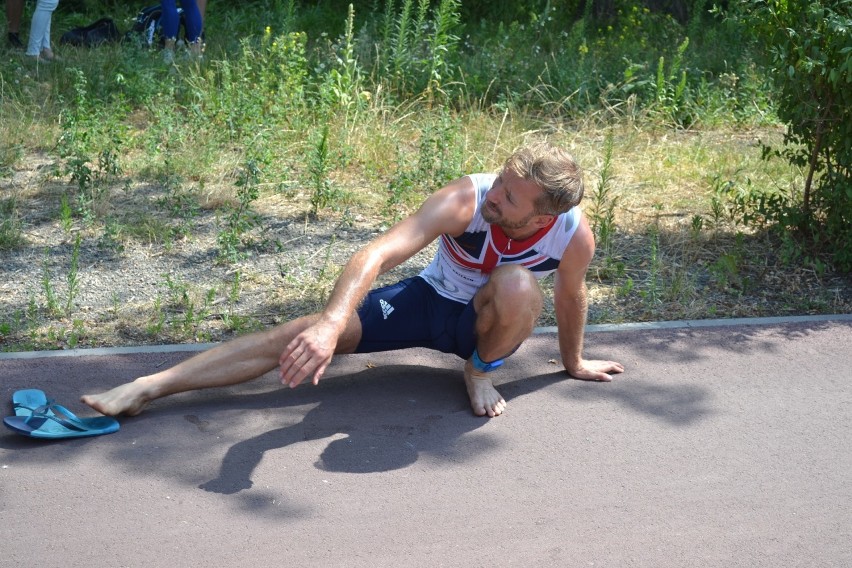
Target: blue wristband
[{"x": 481, "y": 365}]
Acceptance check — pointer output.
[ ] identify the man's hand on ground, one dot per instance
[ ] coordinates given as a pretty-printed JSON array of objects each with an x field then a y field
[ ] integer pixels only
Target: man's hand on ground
[
  {"x": 591, "y": 370},
  {"x": 308, "y": 354}
]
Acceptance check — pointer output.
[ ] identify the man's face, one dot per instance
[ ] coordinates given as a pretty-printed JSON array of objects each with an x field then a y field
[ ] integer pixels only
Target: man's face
[{"x": 510, "y": 202}]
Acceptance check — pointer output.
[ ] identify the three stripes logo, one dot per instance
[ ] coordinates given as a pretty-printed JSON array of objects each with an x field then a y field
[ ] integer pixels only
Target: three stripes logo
[{"x": 386, "y": 308}]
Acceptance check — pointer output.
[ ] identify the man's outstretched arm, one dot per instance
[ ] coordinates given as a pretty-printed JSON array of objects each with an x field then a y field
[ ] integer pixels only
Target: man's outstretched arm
[
  {"x": 449, "y": 210},
  {"x": 571, "y": 307}
]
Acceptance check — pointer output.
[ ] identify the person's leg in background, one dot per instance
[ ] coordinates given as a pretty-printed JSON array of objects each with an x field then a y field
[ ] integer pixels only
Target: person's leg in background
[
  {"x": 14, "y": 11},
  {"x": 39, "y": 42},
  {"x": 194, "y": 23},
  {"x": 169, "y": 23}
]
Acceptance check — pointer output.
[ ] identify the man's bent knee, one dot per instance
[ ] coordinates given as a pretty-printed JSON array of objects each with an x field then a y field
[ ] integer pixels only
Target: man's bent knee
[
  {"x": 507, "y": 308},
  {"x": 512, "y": 285}
]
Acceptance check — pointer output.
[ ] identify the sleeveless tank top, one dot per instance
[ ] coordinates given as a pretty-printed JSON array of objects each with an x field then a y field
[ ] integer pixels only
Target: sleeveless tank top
[{"x": 462, "y": 264}]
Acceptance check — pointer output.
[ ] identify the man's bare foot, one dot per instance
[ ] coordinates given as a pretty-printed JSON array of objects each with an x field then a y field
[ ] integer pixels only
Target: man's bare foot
[
  {"x": 484, "y": 398},
  {"x": 129, "y": 399}
]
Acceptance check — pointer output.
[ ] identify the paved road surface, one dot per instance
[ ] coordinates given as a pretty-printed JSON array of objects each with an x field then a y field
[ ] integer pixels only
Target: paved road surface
[{"x": 719, "y": 446}]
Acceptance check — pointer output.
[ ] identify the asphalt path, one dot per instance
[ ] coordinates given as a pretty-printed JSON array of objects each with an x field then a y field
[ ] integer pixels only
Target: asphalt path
[{"x": 719, "y": 446}]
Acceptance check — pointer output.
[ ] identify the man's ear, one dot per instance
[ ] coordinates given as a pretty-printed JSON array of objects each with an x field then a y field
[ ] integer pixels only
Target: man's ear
[{"x": 543, "y": 220}]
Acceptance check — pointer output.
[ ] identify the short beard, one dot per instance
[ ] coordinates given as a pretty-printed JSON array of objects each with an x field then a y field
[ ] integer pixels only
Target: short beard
[{"x": 495, "y": 219}]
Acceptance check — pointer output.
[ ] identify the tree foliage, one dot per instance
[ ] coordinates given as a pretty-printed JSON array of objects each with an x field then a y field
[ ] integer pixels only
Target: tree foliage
[{"x": 809, "y": 53}]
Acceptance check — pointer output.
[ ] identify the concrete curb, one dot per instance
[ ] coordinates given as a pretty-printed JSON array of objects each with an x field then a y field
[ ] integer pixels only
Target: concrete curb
[{"x": 593, "y": 328}]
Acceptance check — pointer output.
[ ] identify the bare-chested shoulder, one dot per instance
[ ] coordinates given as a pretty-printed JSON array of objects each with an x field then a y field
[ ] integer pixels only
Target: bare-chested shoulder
[
  {"x": 450, "y": 209},
  {"x": 579, "y": 252}
]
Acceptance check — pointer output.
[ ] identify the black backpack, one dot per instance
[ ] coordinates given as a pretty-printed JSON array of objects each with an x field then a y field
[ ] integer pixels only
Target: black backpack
[
  {"x": 100, "y": 32},
  {"x": 146, "y": 26}
]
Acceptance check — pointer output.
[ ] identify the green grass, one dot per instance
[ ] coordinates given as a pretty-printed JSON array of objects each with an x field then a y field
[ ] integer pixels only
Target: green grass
[
  {"x": 334, "y": 121},
  {"x": 11, "y": 236}
]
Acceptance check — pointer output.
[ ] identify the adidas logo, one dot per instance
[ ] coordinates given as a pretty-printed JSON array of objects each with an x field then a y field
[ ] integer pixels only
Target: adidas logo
[{"x": 386, "y": 308}]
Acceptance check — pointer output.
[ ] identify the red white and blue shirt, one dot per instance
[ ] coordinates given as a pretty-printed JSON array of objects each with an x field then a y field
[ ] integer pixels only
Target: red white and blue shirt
[{"x": 462, "y": 264}]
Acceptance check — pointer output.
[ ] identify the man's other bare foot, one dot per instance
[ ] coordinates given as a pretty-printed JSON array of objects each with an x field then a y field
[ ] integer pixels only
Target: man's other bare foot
[
  {"x": 129, "y": 399},
  {"x": 484, "y": 398}
]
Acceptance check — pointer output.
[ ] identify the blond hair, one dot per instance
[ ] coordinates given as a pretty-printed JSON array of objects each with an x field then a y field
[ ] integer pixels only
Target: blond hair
[{"x": 554, "y": 171}]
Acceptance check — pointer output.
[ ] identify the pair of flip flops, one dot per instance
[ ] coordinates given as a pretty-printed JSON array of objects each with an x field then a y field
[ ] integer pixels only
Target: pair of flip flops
[{"x": 38, "y": 417}]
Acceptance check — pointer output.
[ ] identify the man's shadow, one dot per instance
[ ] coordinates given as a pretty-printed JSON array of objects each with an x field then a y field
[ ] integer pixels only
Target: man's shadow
[{"x": 387, "y": 415}]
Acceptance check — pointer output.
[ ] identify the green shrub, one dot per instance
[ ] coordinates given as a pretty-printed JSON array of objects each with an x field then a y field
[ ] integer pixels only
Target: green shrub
[
  {"x": 265, "y": 81},
  {"x": 810, "y": 59}
]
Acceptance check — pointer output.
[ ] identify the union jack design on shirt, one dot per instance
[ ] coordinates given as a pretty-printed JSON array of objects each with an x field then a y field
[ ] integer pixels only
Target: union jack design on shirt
[{"x": 462, "y": 264}]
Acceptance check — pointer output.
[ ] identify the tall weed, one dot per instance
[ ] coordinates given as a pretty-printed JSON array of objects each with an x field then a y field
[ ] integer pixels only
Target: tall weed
[
  {"x": 344, "y": 82},
  {"x": 91, "y": 143},
  {"x": 437, "y": 161},
  {"x": 265, "y": 81},
  {"x": 11, "y": 235},
  {"x": 323, "y": 192},
  {"x": 420, "y": 46},
  {"x": 241, "y": 218},
  {"x": 604, "y": 202}
]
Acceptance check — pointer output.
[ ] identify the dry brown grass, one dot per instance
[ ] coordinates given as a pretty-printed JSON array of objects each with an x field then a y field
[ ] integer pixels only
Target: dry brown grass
[{"x": 659, "y": 266}]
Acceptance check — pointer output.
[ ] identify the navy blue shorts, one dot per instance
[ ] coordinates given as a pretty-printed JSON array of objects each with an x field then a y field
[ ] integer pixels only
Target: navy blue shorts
[{"x": 411, "y": 313}]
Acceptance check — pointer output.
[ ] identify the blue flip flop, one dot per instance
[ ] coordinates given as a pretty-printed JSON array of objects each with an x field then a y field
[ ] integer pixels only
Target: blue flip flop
[
  {"x": 53, "y": 422},
  {"x": 26, "y": 401}
]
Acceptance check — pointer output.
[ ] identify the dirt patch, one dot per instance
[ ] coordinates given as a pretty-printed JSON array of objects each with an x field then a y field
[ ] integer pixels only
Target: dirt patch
[{"x": 146, "y": 271}]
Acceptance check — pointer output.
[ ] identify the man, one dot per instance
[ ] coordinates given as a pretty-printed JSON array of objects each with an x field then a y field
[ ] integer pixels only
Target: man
[{"x": 479, "y": 297}]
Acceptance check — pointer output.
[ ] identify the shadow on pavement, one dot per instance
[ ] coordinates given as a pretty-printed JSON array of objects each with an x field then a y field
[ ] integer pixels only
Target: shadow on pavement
[{"x": 378, "y": 419}]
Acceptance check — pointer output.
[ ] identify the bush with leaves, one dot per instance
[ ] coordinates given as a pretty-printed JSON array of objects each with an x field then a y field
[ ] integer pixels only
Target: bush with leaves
[{"x": 809, "y": 53}]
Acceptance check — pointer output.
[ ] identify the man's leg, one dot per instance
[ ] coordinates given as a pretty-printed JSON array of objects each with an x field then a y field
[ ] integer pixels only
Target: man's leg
[
  {"x": 507, "y": 308},
  {"x": 230, "y": 363}
]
